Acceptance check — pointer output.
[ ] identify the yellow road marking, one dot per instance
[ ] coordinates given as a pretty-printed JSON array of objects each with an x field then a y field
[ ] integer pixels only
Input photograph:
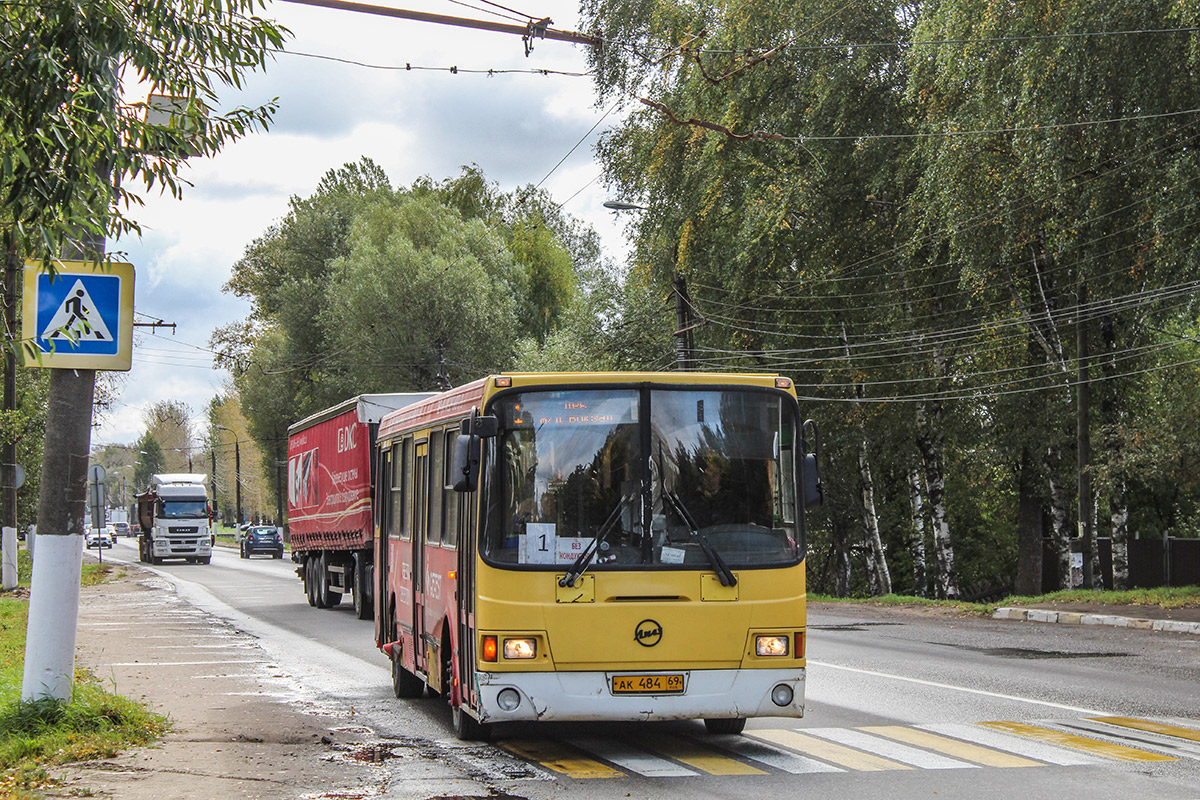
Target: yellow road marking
[
  {"x": 1151, "y": 727},
  {"x": 953, "y": 747},
  {"x": 560, "y": 758},
  {"x": 1087, "y": 745},
  {"x": 693, "y": 754},
  {"x": 836, "y": 753}
]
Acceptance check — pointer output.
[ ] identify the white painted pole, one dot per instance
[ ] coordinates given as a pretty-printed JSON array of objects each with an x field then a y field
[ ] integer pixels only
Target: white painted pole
[
  {"x": 53, "y": 614},
  {"x": 8, "y": 569}
]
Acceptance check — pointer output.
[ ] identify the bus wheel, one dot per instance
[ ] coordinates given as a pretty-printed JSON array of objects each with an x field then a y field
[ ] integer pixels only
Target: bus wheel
[
  {"x": 404, "y": 683},
  {"x": 467, "y": 728},
  {"x": 362, "y": 603},
  {"x": 726, "y": 725}
]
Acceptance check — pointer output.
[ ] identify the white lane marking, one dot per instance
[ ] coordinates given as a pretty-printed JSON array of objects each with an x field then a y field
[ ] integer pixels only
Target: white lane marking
[
  {"x": 1039, "y": 751},
  {"x": 936, "y": 685},
  {"x": 631, "y": 759},
  {"x": 775, "y": 757},
  {"x": 889, "y": 749}
]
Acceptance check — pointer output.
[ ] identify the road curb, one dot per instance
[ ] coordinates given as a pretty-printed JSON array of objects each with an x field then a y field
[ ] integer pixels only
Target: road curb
[{"x": 1076, "y": 618}]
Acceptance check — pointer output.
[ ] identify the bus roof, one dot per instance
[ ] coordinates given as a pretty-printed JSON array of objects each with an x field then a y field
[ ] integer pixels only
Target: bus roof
[{"x": 457, "y": 403}]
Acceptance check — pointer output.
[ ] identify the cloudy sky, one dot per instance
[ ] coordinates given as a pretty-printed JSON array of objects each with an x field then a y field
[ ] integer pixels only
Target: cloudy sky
[{"x": 416, "y": 122}]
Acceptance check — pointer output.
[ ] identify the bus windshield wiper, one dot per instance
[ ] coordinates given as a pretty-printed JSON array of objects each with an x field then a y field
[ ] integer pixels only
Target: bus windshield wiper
[
  {"x": 585, "y": 558},
  {"x": 718, "y": 564}
]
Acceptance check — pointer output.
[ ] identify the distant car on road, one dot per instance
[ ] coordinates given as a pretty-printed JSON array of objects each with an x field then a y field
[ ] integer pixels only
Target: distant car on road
[
  {"x": 98, "y": 538},
  {"x": 121, "y": 529},
  {"x": 262, "y": 539}
]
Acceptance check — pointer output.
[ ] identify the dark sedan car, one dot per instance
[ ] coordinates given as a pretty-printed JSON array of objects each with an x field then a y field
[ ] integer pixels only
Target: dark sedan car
[{"x": 262, "y": 539}]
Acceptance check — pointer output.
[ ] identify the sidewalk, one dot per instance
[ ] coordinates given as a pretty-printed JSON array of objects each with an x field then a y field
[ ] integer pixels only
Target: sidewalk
[{"x": 240, "y": 731}]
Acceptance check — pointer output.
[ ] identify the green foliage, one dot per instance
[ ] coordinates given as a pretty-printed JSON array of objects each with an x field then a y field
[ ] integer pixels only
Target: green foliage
[
  {"x": 912, "y": 234},
  {"x": 26, "y": 426},
  {"x": 72, "y": 149},
  {"x": 150, "y": 461},
  {"x": 365, "y": 288}
]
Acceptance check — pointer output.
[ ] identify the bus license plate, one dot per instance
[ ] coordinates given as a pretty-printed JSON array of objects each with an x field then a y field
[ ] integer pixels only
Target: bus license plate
[{"x": 647, "y": 684}]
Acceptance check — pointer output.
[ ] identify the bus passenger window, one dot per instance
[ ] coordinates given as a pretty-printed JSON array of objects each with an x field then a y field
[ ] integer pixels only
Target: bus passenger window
[
  {"x": 435, "y": 489},
  {"x": 449, "y": 496}
]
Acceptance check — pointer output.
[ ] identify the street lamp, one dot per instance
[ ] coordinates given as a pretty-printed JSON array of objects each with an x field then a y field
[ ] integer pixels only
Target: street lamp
[
  {"x": 237, "y": 474},
  {"x": 621, "y": 205}
]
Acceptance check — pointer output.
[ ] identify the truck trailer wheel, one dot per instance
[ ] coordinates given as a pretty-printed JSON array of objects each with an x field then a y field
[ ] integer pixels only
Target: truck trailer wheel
[
  {"x": 327, "y": 596},
  {"x": 362, "y": 600},
  {"x": 310, "y": 582}
]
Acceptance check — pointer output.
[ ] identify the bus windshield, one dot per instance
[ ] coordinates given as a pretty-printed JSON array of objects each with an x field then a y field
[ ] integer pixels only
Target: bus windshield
[
  {"x": 646, "y": 478},
  {"x": 182, "y": 509}
]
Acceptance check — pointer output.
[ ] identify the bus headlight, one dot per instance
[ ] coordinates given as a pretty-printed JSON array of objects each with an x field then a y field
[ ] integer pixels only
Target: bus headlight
[
  {"x": 782, "y": 695},
  {"x": 771, "y": 645},
  {"x": 520, "y": 648}
]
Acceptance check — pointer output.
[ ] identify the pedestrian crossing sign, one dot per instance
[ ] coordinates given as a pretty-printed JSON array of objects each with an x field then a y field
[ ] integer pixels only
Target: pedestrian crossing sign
[{"x": 81, "y": 318}]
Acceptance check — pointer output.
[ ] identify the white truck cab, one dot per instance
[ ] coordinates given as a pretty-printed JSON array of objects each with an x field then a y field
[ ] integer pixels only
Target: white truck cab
[{"x": 175, "y": 519}]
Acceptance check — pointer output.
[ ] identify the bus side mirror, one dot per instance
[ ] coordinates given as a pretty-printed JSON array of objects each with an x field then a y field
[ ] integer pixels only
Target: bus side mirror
[
  {"x": 468, "y": 448},
  {"x": 814, "y": 492},
  {"x": 810, "y": 473},
  {"x": 466, "y": 462}
]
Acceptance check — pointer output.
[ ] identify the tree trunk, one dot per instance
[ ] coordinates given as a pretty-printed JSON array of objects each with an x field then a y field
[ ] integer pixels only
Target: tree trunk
[
  {"x": 1060, "y": 534},
  {"x": 841, "y": 561},
  {"x": 917, "y": 502},
  {"x": 880, "y": 577},
  {"x": 1029, "y": 528},
  {"x": 1119, "y": 520},
  {"x": 931, "y": 442}
]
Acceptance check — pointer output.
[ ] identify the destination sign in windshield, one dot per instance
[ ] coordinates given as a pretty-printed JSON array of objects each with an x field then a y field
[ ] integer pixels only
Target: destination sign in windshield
[{"x": 552, "y": 409}]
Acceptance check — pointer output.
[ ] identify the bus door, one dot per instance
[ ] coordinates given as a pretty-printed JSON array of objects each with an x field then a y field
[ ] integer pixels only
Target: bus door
[
  {"x": 384, "y": 624},
  {"x": 420, "y": 517},
  {"x": 465, "y": 595}
]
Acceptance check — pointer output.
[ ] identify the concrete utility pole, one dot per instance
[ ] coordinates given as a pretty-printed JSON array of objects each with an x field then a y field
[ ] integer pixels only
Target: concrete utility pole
[
  {"x": 62, "y": 510},
  {"x": 237, "y": 474}
]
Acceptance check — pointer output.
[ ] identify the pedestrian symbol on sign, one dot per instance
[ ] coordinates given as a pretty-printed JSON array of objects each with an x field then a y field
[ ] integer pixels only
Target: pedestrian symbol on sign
[{"x": 77, "y": 318}]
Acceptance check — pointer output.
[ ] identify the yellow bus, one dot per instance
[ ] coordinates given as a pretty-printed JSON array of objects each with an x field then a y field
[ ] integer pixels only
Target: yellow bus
[{"x": 597, "y": 546}]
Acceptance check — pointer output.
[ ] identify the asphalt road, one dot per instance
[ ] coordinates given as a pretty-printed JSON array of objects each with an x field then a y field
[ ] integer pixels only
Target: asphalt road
[{"x": 900, "y": 705}]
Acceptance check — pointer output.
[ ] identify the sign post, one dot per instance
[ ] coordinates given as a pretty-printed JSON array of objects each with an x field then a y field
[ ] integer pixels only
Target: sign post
[{"x": 78, "y": 321}]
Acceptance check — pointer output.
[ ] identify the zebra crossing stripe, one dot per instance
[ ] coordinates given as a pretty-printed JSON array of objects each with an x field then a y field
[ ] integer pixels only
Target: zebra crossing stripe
[
  {"x": 784, "y": 760},
  {"x": 558, "y": 758},
  {"x": 964, "y": 750},
  {"x": 632, "y": 759},
  {"x": 1151, "y": 727},
  {"x": 1107, "y": 749},
  {"x": 1182, "y": 748},
  {"x": 699, "y": 756},
  {"x": 1039, "y": 751},
  {"x": 830, "y": 751},
  {"x": 890, "y": 749}
]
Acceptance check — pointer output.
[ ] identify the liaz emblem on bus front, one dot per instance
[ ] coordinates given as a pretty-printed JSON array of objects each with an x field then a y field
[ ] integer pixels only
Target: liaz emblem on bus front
[{"x": 648, "y": 633}]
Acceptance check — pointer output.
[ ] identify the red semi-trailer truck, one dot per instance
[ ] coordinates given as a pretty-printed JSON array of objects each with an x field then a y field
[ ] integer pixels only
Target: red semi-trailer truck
[{"x": 331, "y": 480}]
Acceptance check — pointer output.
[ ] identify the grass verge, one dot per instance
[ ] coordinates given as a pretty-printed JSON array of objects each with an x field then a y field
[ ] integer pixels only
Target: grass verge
[
  {"x": 34, "y": 736},
  {"x": 1162, "y": 597}
]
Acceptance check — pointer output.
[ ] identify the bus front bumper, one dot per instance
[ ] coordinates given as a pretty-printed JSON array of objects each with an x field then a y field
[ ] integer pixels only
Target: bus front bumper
[{"x": 707, "y": 694}]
